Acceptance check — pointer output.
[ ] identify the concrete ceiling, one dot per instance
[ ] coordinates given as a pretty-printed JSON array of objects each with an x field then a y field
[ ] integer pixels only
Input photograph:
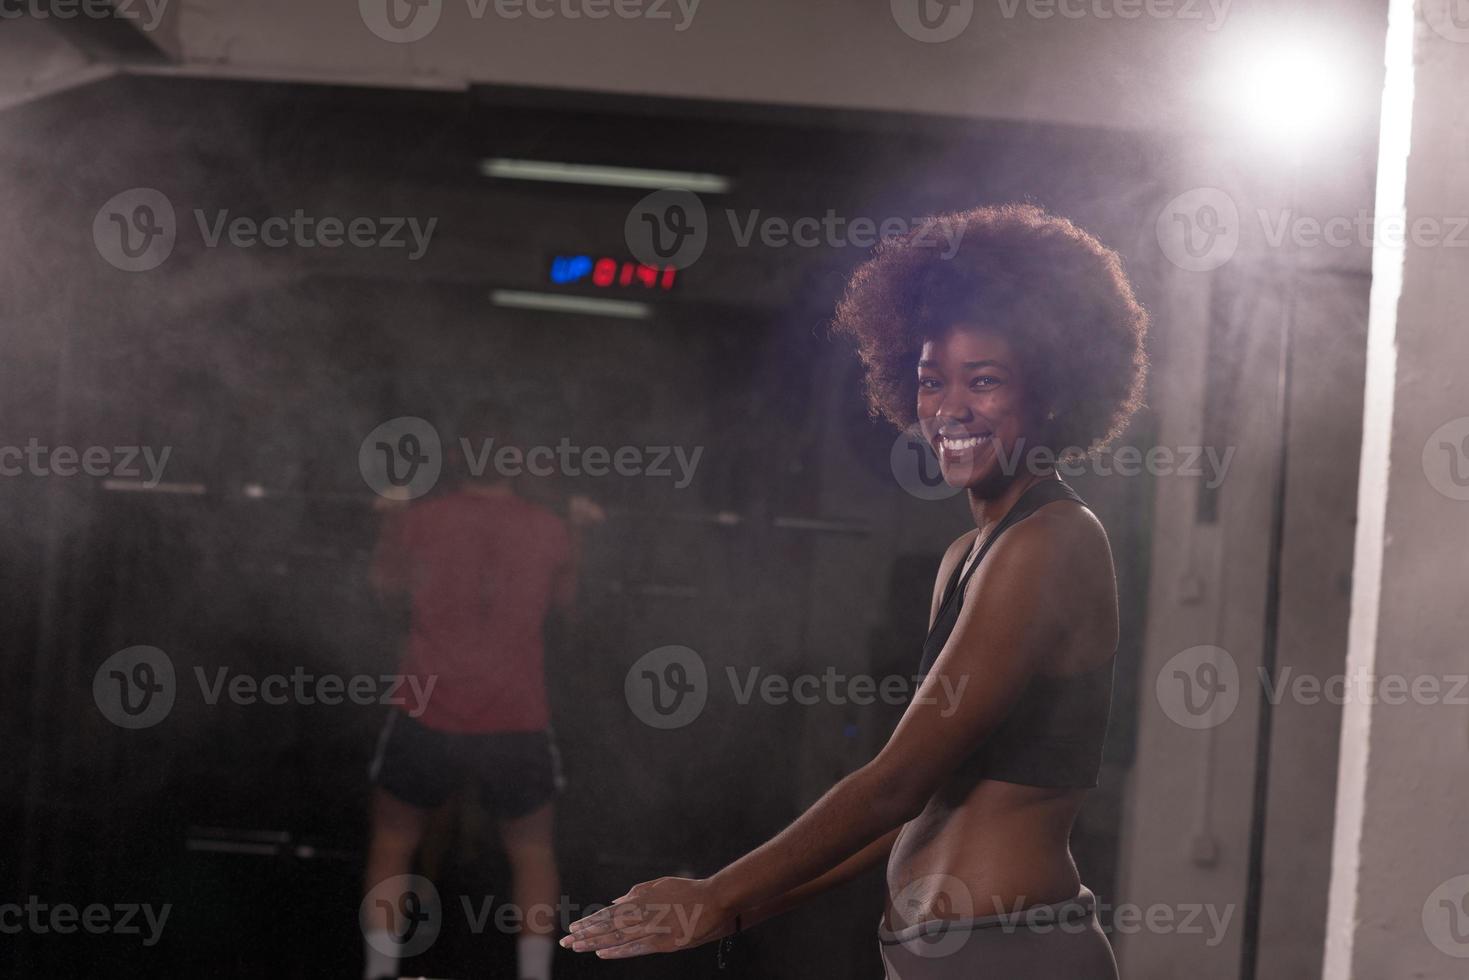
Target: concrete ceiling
[{"x": 1127, "y": 64}]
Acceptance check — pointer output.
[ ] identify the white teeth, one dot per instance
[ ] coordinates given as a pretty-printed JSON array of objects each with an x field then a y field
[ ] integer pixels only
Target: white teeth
[{"x": 954, "y": 445}]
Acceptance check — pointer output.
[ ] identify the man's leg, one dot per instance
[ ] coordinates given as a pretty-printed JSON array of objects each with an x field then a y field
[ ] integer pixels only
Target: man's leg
[
  {"x": 535, "y": 887},
  {"x": 443, "y": 839},
  {"x": 397, "y": 829}
]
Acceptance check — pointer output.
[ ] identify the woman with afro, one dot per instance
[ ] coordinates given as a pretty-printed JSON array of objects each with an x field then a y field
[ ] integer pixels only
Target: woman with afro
[{"x": 1021, "y": 348}]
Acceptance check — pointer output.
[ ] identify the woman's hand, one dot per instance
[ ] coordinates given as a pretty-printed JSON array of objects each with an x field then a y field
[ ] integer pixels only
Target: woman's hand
[{"x": 662, "y": 916}]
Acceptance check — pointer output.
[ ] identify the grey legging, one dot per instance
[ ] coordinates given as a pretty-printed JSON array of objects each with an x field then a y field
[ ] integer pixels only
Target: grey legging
[{"x": 1063, "y": 941}]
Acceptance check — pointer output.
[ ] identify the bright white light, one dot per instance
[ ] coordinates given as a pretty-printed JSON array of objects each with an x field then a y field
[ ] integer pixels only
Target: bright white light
[{"x": 1283, "y": 89}]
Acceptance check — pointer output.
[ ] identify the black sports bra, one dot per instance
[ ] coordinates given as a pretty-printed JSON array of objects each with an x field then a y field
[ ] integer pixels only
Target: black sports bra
[{"x": 1052, "y": 736}]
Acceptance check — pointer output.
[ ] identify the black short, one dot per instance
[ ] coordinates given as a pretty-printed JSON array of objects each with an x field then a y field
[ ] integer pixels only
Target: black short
[{"x": 513, "y": 772}]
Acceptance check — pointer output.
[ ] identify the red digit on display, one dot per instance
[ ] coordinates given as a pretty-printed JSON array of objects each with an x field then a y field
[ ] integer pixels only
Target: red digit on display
[
  {"x": 603, "y": 272},
  {"x": 609, "y": 272}
]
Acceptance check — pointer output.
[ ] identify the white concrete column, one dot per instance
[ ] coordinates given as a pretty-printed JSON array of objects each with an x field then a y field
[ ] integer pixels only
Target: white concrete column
[{"x": 1400, "y": 866}]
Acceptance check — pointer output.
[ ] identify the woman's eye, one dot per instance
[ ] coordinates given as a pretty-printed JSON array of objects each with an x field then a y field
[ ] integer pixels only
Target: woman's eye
[
  {"x": 928, "y": 384},
  {"x": 984, "y": 382}
]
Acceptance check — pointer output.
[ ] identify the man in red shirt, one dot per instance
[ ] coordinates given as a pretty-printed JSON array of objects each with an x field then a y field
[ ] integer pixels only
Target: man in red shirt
[{"x": 481, "y": 567}]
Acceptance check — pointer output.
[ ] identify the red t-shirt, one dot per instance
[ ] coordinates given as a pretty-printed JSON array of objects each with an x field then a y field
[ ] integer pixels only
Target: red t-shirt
[{"x": 481, "y": 573}]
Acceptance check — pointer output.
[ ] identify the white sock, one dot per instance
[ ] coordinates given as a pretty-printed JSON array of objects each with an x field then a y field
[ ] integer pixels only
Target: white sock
[
  {"x": 533, "y": 954},
  {"x": 381, "y": 947}
]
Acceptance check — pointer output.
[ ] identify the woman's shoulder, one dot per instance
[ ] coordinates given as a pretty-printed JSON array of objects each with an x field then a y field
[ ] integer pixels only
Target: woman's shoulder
[
  {"x": 1065, "y": 516},
  {"x": 1064, "y": 534}
]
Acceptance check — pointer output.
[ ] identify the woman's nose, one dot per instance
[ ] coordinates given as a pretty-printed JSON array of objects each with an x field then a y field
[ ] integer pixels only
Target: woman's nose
[{"x": 953, "y": 405}]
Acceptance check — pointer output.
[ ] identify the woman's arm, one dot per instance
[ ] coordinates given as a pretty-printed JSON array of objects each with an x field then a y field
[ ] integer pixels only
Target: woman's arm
[
  {"x": 878, "y": 851},
  {"x": 1004, "y": 628},
  {"x": 873, "y": 854}
]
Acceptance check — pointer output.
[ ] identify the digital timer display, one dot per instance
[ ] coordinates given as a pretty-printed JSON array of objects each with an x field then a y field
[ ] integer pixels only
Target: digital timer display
[{"x": 610, "y": 273}]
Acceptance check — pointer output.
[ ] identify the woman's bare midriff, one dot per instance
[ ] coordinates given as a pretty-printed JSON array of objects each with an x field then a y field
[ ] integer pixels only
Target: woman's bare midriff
[
  {"x": 1003, "y": 847},
  {"x": 999, "y": 847}
]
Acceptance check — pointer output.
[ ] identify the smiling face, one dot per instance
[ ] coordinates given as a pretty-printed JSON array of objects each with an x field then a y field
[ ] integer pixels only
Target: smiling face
[{"x": 973, "y": 407}]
